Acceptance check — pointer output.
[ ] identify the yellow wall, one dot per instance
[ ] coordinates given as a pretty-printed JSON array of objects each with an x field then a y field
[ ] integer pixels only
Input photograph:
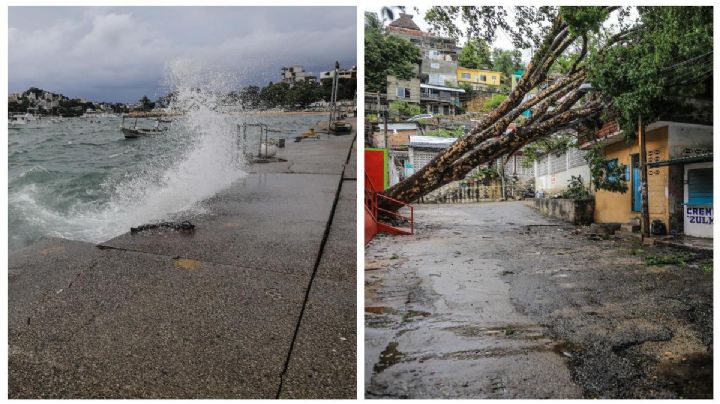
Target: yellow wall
[
  {"x": 475, "y": 76},
  {"x": 614, "y": 207}
]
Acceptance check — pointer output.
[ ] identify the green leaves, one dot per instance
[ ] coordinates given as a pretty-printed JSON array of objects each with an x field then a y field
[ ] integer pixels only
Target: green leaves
[
  {"x": 404, "y": 109},
  {"x": 506, "y": 61},
  {"x": 386, "y": 55},
  {"x": 583, "y": 20},
  {"x": 475, "y": 55},
  {"x": 606, "y": 174},
  {"x": 656, "y": 69}
]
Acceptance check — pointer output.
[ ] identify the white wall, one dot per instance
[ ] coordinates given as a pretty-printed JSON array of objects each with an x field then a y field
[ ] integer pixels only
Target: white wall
[
  {"x": 552, "y": 173},
  {"x": 558, "y": 182}
]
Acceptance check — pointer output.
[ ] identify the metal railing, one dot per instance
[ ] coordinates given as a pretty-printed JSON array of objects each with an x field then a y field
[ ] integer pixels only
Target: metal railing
[{"x": 373, "y": 200}]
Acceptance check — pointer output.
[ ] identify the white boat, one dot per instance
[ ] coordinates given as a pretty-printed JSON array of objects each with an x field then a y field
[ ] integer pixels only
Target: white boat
[{"x": 17, "y": 120}]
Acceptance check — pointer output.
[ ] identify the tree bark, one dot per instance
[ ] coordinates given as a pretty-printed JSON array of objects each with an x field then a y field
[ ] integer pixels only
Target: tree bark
[{"x": 488, "y": 140}]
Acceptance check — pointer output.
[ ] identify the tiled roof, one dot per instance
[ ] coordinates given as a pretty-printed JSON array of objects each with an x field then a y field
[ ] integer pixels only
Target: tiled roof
[{"x": 405, "y": 21}]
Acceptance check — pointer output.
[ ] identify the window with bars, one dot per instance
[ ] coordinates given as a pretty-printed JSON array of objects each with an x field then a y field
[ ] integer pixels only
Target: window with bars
[
  {"x": 557, "y": 163},
  {"x": 576, "y": 158},
  {"x": 542, "y": 166}
]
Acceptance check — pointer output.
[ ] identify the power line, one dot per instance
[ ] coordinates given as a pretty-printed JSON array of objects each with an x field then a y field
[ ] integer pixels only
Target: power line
[{"x": 685, "y": 61}]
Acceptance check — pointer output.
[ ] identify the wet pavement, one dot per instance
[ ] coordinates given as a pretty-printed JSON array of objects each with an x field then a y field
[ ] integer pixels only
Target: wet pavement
[
  {"x": 257, "y": 302},
  {"x": 494, "y": 300}
]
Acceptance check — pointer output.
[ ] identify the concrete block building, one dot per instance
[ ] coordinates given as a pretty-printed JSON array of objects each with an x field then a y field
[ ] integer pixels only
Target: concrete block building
[{"x": 679, "y": 160}]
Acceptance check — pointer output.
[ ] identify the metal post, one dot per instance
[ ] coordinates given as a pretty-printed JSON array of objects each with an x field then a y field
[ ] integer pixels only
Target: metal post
[
  {"x": 385, "y": 131},
  {"x": 244, "y": 140},
  {"x": 501, "y": 171},
  {"x": 645, "y": 213}
]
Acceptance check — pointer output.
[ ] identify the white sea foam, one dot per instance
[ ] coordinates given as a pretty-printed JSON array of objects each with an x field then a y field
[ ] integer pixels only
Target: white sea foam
[{"x": 209, "y": 163}]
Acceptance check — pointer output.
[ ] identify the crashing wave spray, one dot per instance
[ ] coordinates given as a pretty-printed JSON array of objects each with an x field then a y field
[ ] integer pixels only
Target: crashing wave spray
[{"x": 209, "y": 160}]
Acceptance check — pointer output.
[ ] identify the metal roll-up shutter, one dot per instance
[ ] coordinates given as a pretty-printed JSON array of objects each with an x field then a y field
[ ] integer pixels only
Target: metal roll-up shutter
[{"x": 700, "y": 186}]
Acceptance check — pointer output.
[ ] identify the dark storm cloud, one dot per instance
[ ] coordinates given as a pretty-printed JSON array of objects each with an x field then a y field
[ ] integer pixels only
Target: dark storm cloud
[{"x": 121, "y": 53}]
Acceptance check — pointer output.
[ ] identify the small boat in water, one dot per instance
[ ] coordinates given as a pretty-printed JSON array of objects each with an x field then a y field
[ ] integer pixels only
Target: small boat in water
[
  {"x": 133, "y": 133},
  {"x": 340, "y": 127},
  {"x": 17, "y": 120}
]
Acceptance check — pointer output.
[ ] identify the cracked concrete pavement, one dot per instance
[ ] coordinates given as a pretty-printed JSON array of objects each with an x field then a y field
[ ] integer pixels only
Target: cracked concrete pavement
[
  {"x": 494, "y": 300},
  {"x": 257, "y": 302}
]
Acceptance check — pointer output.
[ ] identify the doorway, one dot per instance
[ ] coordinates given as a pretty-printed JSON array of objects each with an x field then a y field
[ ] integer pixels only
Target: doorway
[{"x": 636, "y": 184}]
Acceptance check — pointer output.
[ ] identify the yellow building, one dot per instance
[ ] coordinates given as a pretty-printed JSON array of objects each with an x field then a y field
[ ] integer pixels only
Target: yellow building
[
  {"x": 479, "y": 79},
  {"x": 674, "y": 151}
]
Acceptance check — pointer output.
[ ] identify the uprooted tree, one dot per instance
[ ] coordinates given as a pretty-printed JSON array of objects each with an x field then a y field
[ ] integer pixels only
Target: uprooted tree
[{"x": 640, "y": 65}]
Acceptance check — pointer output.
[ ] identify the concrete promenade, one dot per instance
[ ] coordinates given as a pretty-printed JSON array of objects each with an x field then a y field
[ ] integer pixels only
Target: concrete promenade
[{"x": 258, "y": 302}]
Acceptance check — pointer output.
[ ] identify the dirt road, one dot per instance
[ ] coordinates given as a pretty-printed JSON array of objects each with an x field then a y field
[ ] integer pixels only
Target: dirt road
[{"x": 495, "y": 301}]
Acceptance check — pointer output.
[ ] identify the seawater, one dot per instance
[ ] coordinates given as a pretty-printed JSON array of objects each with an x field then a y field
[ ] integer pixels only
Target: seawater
[{"x": 81, "y": 179}]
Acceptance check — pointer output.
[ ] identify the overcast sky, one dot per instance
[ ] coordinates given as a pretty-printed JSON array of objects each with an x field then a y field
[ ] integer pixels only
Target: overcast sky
[
  {"x": 122, "y": 53},
  {"x": 502, "y": 40}
]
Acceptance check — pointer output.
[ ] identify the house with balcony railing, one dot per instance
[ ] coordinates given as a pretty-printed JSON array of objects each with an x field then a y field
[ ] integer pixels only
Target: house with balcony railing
[{"x": 436, "y": 99}]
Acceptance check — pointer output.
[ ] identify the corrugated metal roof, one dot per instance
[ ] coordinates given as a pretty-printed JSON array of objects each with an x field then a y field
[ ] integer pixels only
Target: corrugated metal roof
[
  {"x": 683, "y": 160},
  {"x": 433, "y": 142},
  {"x": 399, "y": 126},
  {"x": 443, "y": 88}
]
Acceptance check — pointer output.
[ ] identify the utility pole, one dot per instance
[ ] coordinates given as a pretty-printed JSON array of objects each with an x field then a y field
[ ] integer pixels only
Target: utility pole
[
  {"x": 385, "y": 115},
  {"x": 501, "y": 171},
  {"x": 333, "y": 95},
  {"x": 644, "y": 213}
]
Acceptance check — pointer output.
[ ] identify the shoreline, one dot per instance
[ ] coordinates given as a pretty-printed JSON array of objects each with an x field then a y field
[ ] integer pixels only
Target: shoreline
[{"x": 266, "y": 278}]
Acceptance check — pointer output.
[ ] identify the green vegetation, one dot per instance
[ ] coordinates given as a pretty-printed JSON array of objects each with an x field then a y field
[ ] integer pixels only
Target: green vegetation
[
  {"x": 637, "y": 251},
  {"x": 146, "y": 104},
  {"x": 475, "y": 55},
  {"x": 486, "y": 174},
  {"x": 493, "y": 102},
  {"x": 671, "y": 259},
  {"x": 608, "y": 175},
  {"x": 667, "y": 61},
  {"x": 404, "y": 109},
  {"x": 507, "y": 61},
  {"x": 442, "y": 132},
  {"x": 576, "y": 189},
  {"x": 386, "y": 55},
  {"x": 299, "y": 95},
  {"x": 556, "y": 143},
  {"x": 707, "y": 267}
]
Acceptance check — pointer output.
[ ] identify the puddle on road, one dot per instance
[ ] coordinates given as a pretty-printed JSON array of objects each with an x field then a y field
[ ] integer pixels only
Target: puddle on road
[
  {"x": 529, "y": 332},
  {"x": 410, "y": 314},
  {"x": 689, "y": 378},
  {"x": 390, "y": 356}
]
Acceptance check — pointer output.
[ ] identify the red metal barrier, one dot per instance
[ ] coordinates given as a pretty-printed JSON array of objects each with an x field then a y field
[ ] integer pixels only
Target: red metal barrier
[{"x": 372, "y": 206}]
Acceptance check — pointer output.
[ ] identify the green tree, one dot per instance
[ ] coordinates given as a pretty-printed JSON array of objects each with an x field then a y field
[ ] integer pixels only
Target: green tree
[
  {"x": 386, "y": 55},
  {"x": 250, "y": 97},
  {"x": 302, "y": 94},
  {"x": 664, "y": 54},
  {"x": 274, "y": 94},
  {"x": 475, "y": 55},
  {"x": 666, "y": 67},
  {"x": 146, "y": 104},
  {"x": 346, "y": 89},
  {"x": 506, "y": 61},
  {"x": 404, "y": 109}
]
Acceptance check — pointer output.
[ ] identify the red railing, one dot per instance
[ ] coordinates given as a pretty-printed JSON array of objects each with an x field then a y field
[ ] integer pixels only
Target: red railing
[{"x": 372, "y": 203}]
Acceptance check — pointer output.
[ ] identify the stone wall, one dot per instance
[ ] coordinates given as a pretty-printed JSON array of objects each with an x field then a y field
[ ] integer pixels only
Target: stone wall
[{"x": 570, "y": 210}]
